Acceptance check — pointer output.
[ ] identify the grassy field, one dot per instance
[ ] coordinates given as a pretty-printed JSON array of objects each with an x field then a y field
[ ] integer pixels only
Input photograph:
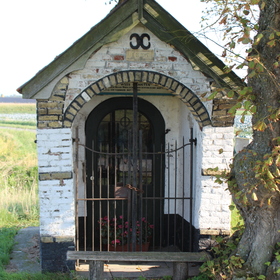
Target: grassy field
[
  {"x": 18, "y": 115},
  {"x": 18, "y": 181},
  {"x": 18, "y": 187}
]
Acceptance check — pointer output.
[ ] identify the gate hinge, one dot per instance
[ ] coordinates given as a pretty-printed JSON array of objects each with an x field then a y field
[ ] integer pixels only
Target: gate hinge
[{"x": 75, "y": 140}]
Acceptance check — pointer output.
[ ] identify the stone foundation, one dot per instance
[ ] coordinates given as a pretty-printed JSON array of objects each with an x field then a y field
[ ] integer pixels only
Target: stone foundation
[{"x": 53, "y": 254}]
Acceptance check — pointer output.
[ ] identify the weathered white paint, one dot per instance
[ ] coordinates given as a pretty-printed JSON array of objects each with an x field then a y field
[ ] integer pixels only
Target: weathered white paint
[{"x": 57, "y": 197}]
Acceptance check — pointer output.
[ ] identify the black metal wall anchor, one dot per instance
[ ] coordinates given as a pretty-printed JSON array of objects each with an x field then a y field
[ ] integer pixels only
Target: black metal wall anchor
[{"x": 140, "y": 41}]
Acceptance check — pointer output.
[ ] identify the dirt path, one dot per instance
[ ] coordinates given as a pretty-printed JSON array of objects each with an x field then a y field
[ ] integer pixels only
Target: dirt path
[{"x": 25, "y": 256}]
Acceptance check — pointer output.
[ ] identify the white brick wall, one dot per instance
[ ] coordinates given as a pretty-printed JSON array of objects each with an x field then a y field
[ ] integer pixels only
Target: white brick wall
[
  {"x": 214, "y": 140},
  {"x": 212, "y": 200},
  {"x": 57, "y": 217},
  {"x": 54, "y": 147},
  {"x": 214, "y": 212}
]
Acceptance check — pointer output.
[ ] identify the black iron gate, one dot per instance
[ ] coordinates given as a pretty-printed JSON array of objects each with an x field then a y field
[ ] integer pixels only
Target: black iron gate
[
  {"x": 125, "y": 209},
  {"x": 139, "y": 191}
]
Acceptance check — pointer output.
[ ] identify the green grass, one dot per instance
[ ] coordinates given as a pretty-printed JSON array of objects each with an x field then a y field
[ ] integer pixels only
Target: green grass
[
  {"x": 39, "y": 276},
  {"x": 18, "y": 124},
  {"x": 18, "y": 178},
  {"x": 6, "y": 245}
]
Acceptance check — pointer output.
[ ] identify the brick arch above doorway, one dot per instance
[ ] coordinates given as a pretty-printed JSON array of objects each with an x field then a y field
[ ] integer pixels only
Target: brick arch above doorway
[{"x": 178, "y": 89}]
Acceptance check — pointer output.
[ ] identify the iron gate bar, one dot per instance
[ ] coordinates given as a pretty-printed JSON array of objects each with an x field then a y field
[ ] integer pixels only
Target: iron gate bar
[
  {"x": 175, "y": 187},
  {"x": 154, "y": 189},
  {"x": 168, "y": 196},
  {"x": 193, "y": 142},
  {"x": 183, "y": 193},
  {"x": 101, "y": 199},
  {"x": 145, "y": 153},
  {"x": 135, "y": 158},
  {"x": 76, "y": 141},
  {"x": 140, "y": 183},
  {"x": 161, "y": 194},
  {"x": 130, "y": 202}
]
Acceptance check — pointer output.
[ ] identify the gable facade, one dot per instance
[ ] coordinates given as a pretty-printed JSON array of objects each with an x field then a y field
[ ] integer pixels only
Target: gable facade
[{"x": 165, "y": 79}]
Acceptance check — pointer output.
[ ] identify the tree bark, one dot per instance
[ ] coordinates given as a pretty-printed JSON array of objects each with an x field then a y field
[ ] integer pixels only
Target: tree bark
[{"x": 261, "y": 208}]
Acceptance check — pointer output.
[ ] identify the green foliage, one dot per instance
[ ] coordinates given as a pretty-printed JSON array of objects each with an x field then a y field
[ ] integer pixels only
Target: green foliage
[
  {"x": 200, "y": 277},
  {"x": 237, "y": 21},
  {"x": 224, "y": 261},
  {"x": 267, "y": 170},
  {"x": 277, "y": 256},
  {"x": 237, "y": 221}
]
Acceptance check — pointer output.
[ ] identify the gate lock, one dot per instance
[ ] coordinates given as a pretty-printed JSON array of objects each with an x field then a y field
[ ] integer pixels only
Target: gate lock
[{"x": 134, "y": 189}]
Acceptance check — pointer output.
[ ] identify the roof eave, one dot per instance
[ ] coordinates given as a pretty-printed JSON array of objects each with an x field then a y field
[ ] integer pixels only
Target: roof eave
[
  {"x": 108, "y": 30},
  {"x": 169, "y": 30}
]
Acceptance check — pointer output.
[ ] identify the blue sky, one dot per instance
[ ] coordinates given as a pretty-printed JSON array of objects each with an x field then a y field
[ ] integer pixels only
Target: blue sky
[{"x": 34, "y": 32}]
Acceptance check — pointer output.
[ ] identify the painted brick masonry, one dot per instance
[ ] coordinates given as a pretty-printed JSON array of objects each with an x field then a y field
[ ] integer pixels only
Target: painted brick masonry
[{"x": 56, "y": 190}]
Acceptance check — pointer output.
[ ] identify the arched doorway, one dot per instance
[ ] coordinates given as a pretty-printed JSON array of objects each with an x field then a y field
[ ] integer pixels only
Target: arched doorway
[{"x": 114, "y": 203}]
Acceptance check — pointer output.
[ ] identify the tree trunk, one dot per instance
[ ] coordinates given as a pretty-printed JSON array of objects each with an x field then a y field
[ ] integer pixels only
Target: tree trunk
[{"x": 259, "y": 204}]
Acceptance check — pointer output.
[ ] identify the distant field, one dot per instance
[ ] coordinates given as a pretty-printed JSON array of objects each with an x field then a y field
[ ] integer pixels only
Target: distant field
[
  {"x": 17, "y": 108},
  {"x": 20, "y": 115}
]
